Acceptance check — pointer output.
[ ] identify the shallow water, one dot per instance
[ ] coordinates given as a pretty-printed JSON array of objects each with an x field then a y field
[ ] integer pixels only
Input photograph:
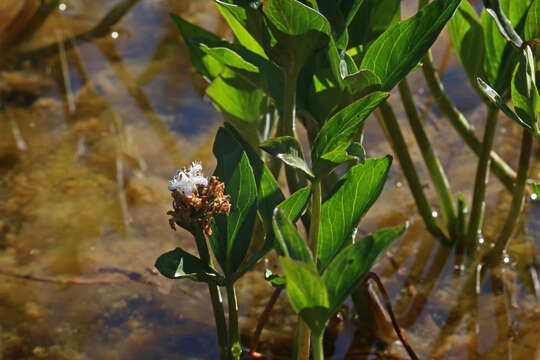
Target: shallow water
[{"x": 90, "y": 132}]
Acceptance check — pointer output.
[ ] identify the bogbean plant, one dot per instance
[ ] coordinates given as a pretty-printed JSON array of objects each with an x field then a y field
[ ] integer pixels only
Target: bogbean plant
[{"x": 327, "y": 64}]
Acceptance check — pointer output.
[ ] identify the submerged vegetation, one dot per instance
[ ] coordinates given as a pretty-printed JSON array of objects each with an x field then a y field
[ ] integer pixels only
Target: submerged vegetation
[{"x": 295, "y": 83}]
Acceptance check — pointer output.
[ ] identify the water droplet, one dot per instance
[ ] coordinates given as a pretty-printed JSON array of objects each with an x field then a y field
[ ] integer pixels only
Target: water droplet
[
  {"x": 506, "y": 259},
  {"x": 481, "y": 240},
  {"x": 399, "y": 184},
  {"x": 114, "y": 35},
  {"x": 534, "y": 197},
  {"x": 62, "y": 7},
  {"x": 434, "y": 214}
]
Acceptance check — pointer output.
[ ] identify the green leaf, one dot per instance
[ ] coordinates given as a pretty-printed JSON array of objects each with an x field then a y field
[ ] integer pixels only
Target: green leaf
[
  {"x": 229, "y": 143},
  {"x": 493, "y": 7},
  {"x": 288, "y": 150},
  {"x": 307, "y": 293},
  {"x": 178, "y": 264},
  {"x": 297, "y": 30},
  {"x": 501, "y": 57},
  {"x": 371, "y": 20},
  {"x": 231, "y": 235},
  {"x": 362, "y": 83},
  {"x": 399, "y": 49},
  {"x": 239, "y": 101},
  {"x": 499, "y": 102},
  {"x": 532, "y": 22},
  {"x": 205, "y": 64},
  {"x": 339, "y": 14},
  {"x": 468, "y": 40},
  {"x": 352, "y": 264},
  {"x": 338, "y": 132},
  {"x": 354, "y": 154},
  {"x": 293, "y": 207},
  {"x": 351, "y": 198},
  {"x": 290, "y": 242},
  {"x": 524, "y": 92},
  {"x": 246, "y": 23}
]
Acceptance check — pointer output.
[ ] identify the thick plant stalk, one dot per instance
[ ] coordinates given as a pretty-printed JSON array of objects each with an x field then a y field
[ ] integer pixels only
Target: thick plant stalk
[
  {"x": 387, "y": 118},
  {"x": 234, "y": 333},
  {"x": 318, "y": 352},
  {"x": 480, "y": 183},
  {"x": 215, "y": 296},
  {"x": 500, "y": 168},
  {"x": 517, "y": 199},
  {"x": 436, "y": 171}
]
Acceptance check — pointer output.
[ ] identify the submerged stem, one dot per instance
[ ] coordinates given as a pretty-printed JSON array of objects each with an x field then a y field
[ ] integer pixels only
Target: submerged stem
[
  {"x": 480, "y": 183},
  {"x": 318, "y": 351},
  {"x": 234, "y": 333},
  {"x": 436, "y": 171},
  {"x": 500, "y": 168},
  {"x": 215, "y": 295},
  {"x": 388, "y": 120},
  {"x": 517, "y": 199}
]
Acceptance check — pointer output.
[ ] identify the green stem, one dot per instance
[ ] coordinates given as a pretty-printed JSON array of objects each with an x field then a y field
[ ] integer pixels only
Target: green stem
[
  {"x": 234, "y": 333},
  {"x": 315, "y": 219},
  {"x": 501, "y": 169},
  {"x": 287, "y": 127},
  {"x": 303, "y": 331},
  {"x": 215, "y": 295},
  {"x": 436, "y": 171},
  {"x": 318, "y": 353},
  {"x": 517, "y": 199},
  {"x": 480, "y": 183},
  {"x": 388, "y": 120}
]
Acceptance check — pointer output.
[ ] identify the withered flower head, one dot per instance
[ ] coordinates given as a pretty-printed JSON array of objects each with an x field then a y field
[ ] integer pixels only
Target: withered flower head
[{"x": 196, "y": 200}]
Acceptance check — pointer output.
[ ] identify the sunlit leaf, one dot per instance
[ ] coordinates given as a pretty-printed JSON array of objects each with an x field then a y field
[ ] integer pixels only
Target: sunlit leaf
[
  {"x": 178, "y": 264},
  {"x": 352, "y": 264},
  {"x": 298, "y": 31},
  {"x": 338, "y": 132},
  {"x": 239, "y": 101},
  {"x": 246, "y": 23},
  {"x": 506, "y": 28},
  {"x": 399, "y": 49},
  {"x": 468, "y": 40},
  {"x": 532, "y": 22},
  {"x": 307, "y": 293},
  {"x": 349, "y": 201},
  {"x": 288, "y": 150}
]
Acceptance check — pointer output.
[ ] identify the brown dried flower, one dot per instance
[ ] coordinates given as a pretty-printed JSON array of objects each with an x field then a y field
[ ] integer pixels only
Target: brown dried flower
[{"x": 195, "y": 200}]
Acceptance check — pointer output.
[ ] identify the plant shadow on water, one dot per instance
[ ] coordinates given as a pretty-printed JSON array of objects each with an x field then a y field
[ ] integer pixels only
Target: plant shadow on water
[{"x": 91, "y": 131}]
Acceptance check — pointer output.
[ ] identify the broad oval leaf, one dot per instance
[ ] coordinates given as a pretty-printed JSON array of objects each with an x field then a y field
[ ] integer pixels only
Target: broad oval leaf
[
  {"x": 350, "y": 266},
  {"x": 293, "y": 207},
  {"x": 524, "y": 91},
  {"x": 307, "y": 293},
  {"x": 232, "y": 234},
  {"x": 297, "y": 30},
  {"x": 399, "y": 49},
  {"x": 239, "y": 102},
  {"x": 532, "y": 22},
  {"x": 288, "y": 150},
  {"x": 246, "y": 23},
  {"x": 178, "y": 264},
  {"x": 467, "y": 38},
  {"x": 289, "y": 240},
  {"x": 338, "y": 132},
  {"x": 351, "y": 198}
]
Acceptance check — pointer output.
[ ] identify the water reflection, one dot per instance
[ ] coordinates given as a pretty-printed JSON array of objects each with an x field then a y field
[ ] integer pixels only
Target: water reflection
[{"x": 98, "y": 107}]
